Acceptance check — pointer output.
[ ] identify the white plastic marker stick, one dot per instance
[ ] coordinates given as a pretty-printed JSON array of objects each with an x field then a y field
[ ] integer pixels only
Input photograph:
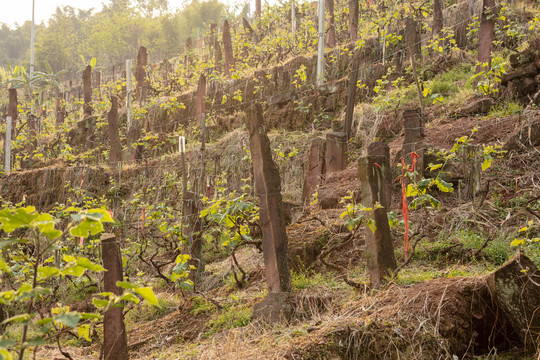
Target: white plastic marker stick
[{"x": 182, "y": 144}]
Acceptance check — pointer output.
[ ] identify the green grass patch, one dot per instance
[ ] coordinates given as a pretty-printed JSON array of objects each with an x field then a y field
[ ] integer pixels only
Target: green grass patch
[
  {"x": 229, "y": 318},
  {"x": 505, "y": 109},
  {"x": 301, "y": 281}
]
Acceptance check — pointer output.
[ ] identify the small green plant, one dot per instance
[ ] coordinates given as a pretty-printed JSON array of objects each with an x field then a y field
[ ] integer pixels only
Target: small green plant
[{"x": 32, "y": 275}]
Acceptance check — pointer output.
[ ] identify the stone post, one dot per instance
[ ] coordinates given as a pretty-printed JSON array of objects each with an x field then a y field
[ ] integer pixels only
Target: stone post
[
  {"x": 258, "y": 9},
  {"x": 227, "y": 48},
  {"x": 353, "y": 19},
  {"x": 272, "y": 216},
  {"x": 192, "y": 230},
  {"x": 331, "y": 32},
  {"x": 437, "y": 17},
  {"x": 114, "y": 331},
  {"x": 336, "y": 152},
  {"x": 87, "y": 90},
  {"x": 414, "y": 139},
  {"x": 97, "y": 83},
  {"x": 115, "y": 153},
  {"x": 315, "y": 169},
  {"x": 474, "y": 166},
  {"x": 140, "y": 74},
  {"x": 372, "y": 172},
  {"x": 485, "y": 38},
  {"x": 351, "y": 97},
  {"x": 515, "y": 289}
]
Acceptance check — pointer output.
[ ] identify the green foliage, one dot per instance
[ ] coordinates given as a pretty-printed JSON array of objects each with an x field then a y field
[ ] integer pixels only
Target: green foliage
[
  {"x": 230, "y": 318},
  {"x": 233, "y": 213},
  {"x": 489, "y": 78},
  {"x": 32, "y": 275}
]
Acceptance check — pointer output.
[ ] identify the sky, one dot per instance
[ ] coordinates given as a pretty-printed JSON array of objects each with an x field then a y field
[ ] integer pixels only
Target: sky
[{"x": 19, "y": 11}]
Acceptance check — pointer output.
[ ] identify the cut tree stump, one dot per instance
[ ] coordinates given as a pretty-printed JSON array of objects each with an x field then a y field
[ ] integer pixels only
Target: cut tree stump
[{"x": 515, "y": 287}]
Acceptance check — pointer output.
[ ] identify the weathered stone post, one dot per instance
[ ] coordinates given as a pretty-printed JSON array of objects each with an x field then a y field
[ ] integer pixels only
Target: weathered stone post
[
  {"x": 115, "y": 154},
  {"x": 331, "y": 32},
  {"x": 258, "y": 8},
  {"x": 353, "y": 19},
  {"x": 272, "y": 221},
  {"x": 471, "y": 154},
  {"x": 485, "y": 37},
  {"x": 60, "y": 108},
  {"x": 227, "y": 48},
  {"x": 437, "y": 17},
  {"x": 272, "y": 216},
  {"x": 414, "y": 139},
  {"x": 97, "y": 83},
  {"x": 192, "y": 230},
  {"x": 516, "y": 290},
  {"x": 351, "y": 97},
  {"x": 87, "y": 91},
  {"x": 140, "y": 74},
  {"x": 373, "y": 173},
  {"x": 336, "y": 151},
  {"x": 315, "y": 169},
  {"x": 114, "y": 331}
]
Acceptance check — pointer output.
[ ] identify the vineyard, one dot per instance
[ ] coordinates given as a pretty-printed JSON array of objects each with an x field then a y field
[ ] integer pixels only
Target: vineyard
[{"x": 308, "y": 180}]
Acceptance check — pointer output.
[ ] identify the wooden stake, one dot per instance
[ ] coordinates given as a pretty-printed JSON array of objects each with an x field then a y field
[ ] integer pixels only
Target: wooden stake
[{"x": 7, "y": 153}]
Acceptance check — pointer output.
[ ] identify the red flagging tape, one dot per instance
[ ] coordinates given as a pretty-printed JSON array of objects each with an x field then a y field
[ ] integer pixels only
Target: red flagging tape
[{"x": 414, "y": 156}]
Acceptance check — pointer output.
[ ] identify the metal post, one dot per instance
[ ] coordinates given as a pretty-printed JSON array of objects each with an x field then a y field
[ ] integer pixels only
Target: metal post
[
  {"x": 7, "y": 163},
  {"x": 128, "y": 87},
  {"x": 320, "y": 56}
]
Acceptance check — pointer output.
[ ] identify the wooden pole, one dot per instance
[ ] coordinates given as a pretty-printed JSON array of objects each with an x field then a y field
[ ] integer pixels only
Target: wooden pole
[
  {"x": 128, "y": 92},
  {"x": 114, "y": 331},
  {"x": 7, "y": 153}
]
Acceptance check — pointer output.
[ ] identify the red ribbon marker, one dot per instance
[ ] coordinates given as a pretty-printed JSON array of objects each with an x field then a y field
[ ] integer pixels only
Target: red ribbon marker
[{"x": 414, "y": 156}]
